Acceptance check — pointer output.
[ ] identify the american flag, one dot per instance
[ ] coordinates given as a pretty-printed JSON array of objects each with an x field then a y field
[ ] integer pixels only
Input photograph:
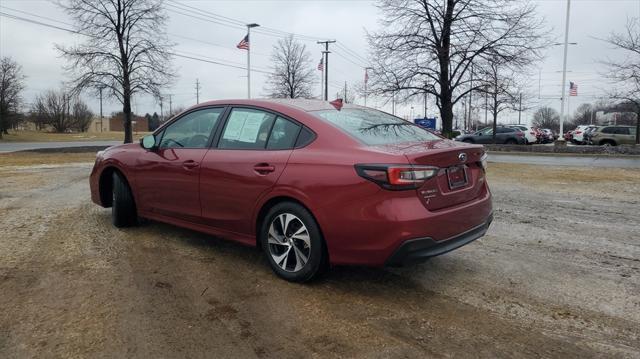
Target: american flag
[
  {"x": 573, "y": 89},
  {"x": 244, "y": 44},
  {"x": 321, "y": 64}
]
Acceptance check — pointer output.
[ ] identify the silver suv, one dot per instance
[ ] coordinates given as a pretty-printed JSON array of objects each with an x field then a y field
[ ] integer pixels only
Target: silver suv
[{"x": 613, "y": 135}]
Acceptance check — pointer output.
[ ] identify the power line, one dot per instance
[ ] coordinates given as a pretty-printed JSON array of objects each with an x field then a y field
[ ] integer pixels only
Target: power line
[
  {"x": 170, "y": 34},
  {"x": 80, "y": 33},
  {"x": 228, "y": 21}
]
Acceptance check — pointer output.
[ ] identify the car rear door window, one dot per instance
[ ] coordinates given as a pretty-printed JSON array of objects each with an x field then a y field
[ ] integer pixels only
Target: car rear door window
[
  {"x": 608, "y": 130},
  {"x": 623, "y": 130},
  {"x": 373, "y": 127},
  {"x": 283, "y": 135},
  {"x": 247, "y": 129},
  {"x": 192, "y": 130}
]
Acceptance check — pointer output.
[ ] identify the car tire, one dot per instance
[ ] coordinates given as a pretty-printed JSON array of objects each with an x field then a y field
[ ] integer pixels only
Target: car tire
[
  {"x": 467, "y": 140},
  {"x": 290, "y": 256},
  {"x": 607, "y": 143},
  {"x": 123, "y": 208},
  {"x": 511, "y": 141}
]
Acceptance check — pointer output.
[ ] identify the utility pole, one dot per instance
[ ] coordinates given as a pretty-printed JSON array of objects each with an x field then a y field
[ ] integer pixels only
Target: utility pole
[
  {"x": 197, "y": 91},
  {"x": 425, "y": 104},
  {"x": 520, "y": 109},
  {"x": 393, "y": 103},
  {"x": 470, "y": 98},
  {"x": 249, "y": 26},
  {"x": 161, "y": 113},
  {"x": 100, "y": 89},
  {"x": 366, "y": 80},
  {"x": 345, "y": 92},
  {"x": 486, "y": 108},
  {"x": 564, "y": 70},
  {"x": 326, "y": 53},
  {"x": 170, "y": 109}
]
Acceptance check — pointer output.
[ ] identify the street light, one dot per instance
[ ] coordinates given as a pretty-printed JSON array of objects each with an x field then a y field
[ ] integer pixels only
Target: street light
[{"x": 249, "y": 26}]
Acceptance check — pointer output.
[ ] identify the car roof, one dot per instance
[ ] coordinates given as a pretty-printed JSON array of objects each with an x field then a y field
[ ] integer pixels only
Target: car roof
[{"x": 306, "y": 105}]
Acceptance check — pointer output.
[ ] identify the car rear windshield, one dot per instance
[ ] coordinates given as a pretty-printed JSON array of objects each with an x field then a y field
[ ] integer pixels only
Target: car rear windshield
[{"x": 374, "y": 127}]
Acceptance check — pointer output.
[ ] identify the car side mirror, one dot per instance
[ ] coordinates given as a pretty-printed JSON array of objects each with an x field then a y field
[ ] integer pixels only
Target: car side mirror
[
  {"x": 478, "y": 133},
  {"x": 148, "y": 142}
]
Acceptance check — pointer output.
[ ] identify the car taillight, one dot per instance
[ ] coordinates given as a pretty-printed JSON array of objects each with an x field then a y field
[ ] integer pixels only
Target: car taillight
[
  {"x": 396, "y": 177},
  {"x": 484, "y": 161},
  {"x": 519, "y": 134},
  {"x": 578, "y": 132}
]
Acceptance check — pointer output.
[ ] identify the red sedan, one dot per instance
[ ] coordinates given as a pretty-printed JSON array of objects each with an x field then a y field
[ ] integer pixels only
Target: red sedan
[{"x": 311, "y": 183}]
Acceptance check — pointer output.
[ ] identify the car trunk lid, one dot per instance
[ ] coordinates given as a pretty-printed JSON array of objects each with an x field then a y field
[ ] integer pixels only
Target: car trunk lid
[{"x": 460, "y": 177}]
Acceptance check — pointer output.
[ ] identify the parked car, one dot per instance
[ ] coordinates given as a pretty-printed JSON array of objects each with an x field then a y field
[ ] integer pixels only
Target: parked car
[
  {"x": 311, "y": 183},
  {"x": 613, "y": 135},
  {"x": 504, "y": 135},
  {"x": 547, "y": 135},
  {"x": 587, "y": 134},
  {"x": 577, "y": 135},
  {"x": 530, "y": 133}
]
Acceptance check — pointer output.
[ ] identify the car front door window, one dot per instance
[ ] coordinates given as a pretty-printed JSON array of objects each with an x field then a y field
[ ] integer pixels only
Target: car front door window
[{"x": 193, "y": 130}]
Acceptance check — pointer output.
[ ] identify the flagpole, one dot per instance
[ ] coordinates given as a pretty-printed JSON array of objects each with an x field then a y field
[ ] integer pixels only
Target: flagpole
[
  {"x": 564, "y": 71},
  {"x": 249, "y": 26},
  {"x": 322, "y": 78}
]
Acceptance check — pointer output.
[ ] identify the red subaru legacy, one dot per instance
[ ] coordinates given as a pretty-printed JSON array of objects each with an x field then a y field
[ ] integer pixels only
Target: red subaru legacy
[{"x": 310, "y": 183}]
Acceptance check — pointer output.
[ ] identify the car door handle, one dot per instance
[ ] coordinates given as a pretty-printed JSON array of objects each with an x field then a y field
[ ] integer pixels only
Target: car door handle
[
  {"x": 263, "y": 168},
  {"x": 190, "y": 164}
]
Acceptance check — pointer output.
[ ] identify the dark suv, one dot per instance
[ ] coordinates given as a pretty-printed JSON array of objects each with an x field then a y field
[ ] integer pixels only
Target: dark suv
[
  {"x": 504, "y": 135},
  {"x": 613, "y": 135}
]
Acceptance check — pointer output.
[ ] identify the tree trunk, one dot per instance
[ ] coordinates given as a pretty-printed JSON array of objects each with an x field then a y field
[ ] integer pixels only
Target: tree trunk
[
  {"x": 495, "y": 126},
  {"x": 638, "y": 125},
  {"x": 446, "y": 111},
  {"x": 447, "y": 119},
  {"x": 494, "y": 112},
  {"x": 126, "y": 109}
]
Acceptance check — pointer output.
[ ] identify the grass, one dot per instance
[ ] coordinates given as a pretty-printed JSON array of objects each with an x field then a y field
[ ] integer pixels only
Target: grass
[
  {"x": 613, "y": 183},
  {"x": 41, "y": 136},
  {"x": 34, "y": 158}
]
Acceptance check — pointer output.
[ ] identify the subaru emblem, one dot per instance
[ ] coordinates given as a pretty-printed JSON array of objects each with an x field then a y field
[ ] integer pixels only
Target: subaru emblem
[{"x": 462, "y": 157}]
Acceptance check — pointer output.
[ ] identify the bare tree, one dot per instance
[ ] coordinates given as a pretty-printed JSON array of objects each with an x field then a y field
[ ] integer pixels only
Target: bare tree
[
  {"x": 11, "y": 86},
  {"x": 547, "y": 117},
  {"x": 502, "y": 85},
  {"x": 52, "y": 108},
  {"x": 293, "y": 75},
  {"x": 127, "y": 51},
  {"x": 81, "y": 116},
  {"x": 625, "y": 70},
  {"x": 430, "y": 45},
  {"x": 583, "y": 115}
]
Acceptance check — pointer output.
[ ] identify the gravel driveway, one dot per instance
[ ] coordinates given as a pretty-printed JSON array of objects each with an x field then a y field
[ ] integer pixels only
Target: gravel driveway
[{"x": 558, "y": 275}]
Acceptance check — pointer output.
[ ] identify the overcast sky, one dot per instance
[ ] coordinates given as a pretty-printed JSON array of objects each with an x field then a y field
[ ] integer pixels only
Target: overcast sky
[{"x": 32, "y": 46}]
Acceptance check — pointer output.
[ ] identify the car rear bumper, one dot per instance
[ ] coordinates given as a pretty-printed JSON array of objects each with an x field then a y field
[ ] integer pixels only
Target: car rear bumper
[
  {"x": 371, "y": 230},
  {"x": 420, "y": 249}
]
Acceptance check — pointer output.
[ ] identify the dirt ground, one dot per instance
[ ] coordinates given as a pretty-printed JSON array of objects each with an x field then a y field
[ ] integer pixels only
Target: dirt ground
[
  {"x": 558, "y": 275},
  {"x": 42, "y": 136}
]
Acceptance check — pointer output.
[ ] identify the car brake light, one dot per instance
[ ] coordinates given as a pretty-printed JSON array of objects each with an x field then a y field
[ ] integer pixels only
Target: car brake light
[
  {"x": 519, "y": 134},
  {"x": 396, "y": 177},
  {"x": 484, "y": 161},
  {"x": 578, "y": 132}
]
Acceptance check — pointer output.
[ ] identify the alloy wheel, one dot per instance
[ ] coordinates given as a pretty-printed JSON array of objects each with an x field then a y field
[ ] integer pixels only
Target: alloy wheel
[{"x": 289, "y": 242}]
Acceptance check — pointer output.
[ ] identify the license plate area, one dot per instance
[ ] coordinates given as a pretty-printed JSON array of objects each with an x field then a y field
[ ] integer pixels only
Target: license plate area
[{"x": 457, "y": 176}]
